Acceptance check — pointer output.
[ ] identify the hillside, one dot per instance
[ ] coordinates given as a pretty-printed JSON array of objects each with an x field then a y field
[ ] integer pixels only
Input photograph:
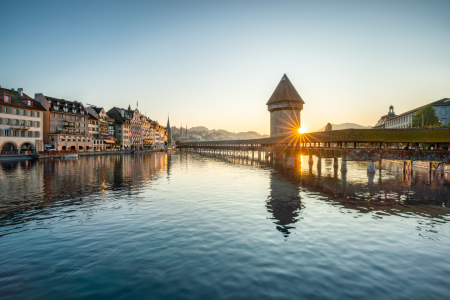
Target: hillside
[
  {"x": 346, "y": 126},
  {"x": 204, "y": 133}
]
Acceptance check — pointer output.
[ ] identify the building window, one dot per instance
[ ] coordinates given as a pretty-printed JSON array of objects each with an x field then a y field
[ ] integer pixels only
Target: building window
[
  {"x": 443, "y": 110},
  {"x": 7, "y": 132},
  {"x": 54, "y": 115},
  {"x": 36, "y": 134},
  {"x": 23, "y": 112},
  {"x": 22, "y": 134},
  {"x": 38, "y": 114},
  {"x": 30, "y": 133},
  {"x": 7, "y": 99},
  {"x": 444, "y": 121},
  {"x": 15, "y": 133}
]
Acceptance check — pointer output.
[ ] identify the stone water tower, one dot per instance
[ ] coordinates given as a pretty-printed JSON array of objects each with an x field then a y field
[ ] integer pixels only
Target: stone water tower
[{"x": 284, "y": 105}]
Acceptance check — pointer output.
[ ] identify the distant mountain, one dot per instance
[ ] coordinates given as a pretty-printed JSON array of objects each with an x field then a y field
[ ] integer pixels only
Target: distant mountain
[
  {"x": 346, "y": 126},
  {"x": 218, "y": 134},
  {"x": 199, "y": 129}
]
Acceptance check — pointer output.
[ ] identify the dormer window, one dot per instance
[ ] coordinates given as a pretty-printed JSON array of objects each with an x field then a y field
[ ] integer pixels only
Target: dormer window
[
  {"x": 57, "y": 102},
  {"x": 66, "y": 109},
  {"x": 7, "y": 99},
  {"x": 74, "y": 111},
  {"x": 56, "y": 107},
  {"x": 82, "y": 112}
]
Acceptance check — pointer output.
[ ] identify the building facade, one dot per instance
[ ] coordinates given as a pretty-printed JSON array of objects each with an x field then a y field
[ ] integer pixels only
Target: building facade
[
  {"x": 65, "y": 124},
  {"x": 284, "y": 106},
  {"x": 122, "y": 126},
  {"x": 404, "y": 120},
  {"x": 136, "y": 129},
  {"x": 21, "y": 123},
  {"x": 382, "y": 121},
  {"x": 146, "y": 132},
  {"x": 94, "y": 129}
]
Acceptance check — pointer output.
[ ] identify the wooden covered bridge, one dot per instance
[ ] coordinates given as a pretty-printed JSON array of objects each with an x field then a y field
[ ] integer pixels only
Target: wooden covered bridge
[{"x": 407, "y": 145}]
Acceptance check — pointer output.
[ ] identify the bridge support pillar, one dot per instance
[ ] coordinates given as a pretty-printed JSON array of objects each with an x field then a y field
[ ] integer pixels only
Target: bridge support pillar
[
  {"x": 335, "y": 163},
  {"x": 290, "y": 161},
  {"x": 319, "y": 165},
  {"x": 259, "y": 155},
  {"x": 253, "y": 155},
  {"x": 279, "y": 157},
  {"x": 266, "y": 156},
  {"x": 371, "y": 167},
  {"x": 442, "y": 169},
  {"x": 343, "y": 166},
  {"x": 310, "y": 160},
  {"x": 408, "y": 166}
]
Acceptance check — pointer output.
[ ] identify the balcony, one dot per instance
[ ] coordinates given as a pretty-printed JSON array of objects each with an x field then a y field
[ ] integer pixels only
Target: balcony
[
  {"x": 23, "y": 127},
  {"x": 68, "y": 132}
]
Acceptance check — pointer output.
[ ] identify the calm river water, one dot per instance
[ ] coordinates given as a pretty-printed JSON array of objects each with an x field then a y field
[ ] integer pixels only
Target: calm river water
[{"x": 192, "y": 226}]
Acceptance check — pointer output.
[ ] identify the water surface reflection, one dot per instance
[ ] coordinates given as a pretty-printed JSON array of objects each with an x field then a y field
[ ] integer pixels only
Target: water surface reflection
[{"x": 188, "y": 225}]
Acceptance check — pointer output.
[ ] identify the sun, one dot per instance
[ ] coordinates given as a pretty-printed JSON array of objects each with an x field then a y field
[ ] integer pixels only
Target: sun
[{"x": 302, "y": 130}]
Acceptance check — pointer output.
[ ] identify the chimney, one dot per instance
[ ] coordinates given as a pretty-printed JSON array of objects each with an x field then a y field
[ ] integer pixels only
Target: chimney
[{"x": 20, "y": 91}]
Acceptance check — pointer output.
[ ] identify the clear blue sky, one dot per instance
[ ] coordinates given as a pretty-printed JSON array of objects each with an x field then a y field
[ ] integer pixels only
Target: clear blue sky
[{"x": 216, "y": 63}]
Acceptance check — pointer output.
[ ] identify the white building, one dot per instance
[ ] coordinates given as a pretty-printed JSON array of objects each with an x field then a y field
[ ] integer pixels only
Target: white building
[
  {"x": 441, "y": 107},
  {"x": 21, "y": 126}
]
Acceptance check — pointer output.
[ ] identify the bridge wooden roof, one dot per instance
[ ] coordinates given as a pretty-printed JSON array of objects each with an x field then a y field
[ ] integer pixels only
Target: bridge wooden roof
[{"x": 441, "y": 135}]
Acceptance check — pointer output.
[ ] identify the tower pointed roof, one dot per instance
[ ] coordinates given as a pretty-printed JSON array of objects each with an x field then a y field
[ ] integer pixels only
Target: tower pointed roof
[
  {"x": 285, "y": 91},
  {"x": 168, "y": 123}
]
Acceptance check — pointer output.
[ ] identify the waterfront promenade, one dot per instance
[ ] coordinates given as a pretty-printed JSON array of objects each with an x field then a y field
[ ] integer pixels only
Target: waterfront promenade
[{"x": 60, "y": 154}]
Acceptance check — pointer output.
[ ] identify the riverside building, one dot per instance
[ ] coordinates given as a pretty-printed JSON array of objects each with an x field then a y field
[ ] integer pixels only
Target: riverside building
[
  {"x": 122, "y": 126},
  {"x": 94, "y": 129},
  {"x": 136, "y": 128},
  {"x": 146, "y": 129},
  {"x": 441, "y": 107},
  {"x": 65, "y": 124},
  {"x": 20, "y": 122}
]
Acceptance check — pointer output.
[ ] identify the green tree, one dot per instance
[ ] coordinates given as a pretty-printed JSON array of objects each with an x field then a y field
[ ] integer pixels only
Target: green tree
[{"x": 429, "y": 118}]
